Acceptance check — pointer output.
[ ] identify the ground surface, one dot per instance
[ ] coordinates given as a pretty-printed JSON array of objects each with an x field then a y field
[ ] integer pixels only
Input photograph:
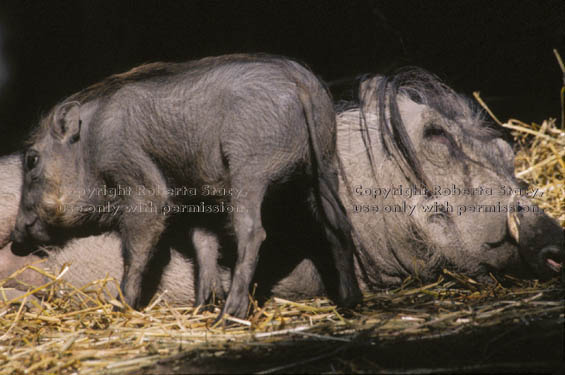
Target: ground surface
[{"x": 523, "y": 347}]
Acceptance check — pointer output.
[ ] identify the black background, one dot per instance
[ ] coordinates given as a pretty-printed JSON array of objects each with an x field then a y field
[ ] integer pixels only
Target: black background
[{"x": 50, "y": 49}]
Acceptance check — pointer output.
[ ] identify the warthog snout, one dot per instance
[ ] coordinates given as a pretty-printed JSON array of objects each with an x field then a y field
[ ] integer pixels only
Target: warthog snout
[
  {"x": 553, "y": 258},
  {"x": 19, "y": 240},
  {"x": 28, "y": 230},
  {"x": 541, "y": 243},
  {"x": 539, "y": 238}
]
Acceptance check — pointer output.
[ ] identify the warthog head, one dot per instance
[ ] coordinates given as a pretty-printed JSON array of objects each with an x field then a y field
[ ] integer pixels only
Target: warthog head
[
  {"x": 50, "y": 163},
  {"x": 431, "y": 185}
]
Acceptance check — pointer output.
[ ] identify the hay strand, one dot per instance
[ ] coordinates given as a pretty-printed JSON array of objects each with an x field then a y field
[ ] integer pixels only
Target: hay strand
[
  {"x": 62, "y": 328},
  {"x": 71, "y": 334}
]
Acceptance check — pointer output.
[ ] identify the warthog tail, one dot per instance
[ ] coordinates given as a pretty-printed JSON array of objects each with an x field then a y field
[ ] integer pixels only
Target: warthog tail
[{"x": 333, "y": 213}]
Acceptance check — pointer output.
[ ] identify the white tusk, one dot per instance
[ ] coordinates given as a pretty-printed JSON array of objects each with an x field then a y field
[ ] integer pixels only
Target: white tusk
[{"x": 513, "y": 221}]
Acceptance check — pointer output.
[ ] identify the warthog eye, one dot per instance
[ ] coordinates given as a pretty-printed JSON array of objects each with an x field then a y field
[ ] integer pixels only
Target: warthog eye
[
  {"x": 31, "y": 159},
  {"x": 437, "y": 134}
]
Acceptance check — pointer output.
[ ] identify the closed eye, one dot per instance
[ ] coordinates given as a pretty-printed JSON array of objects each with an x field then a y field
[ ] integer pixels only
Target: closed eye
[{"x": 437, "y": 134}]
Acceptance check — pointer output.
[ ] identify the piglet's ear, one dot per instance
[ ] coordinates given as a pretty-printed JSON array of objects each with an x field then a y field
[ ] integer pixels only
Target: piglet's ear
[{"x": 66, "y": 122}]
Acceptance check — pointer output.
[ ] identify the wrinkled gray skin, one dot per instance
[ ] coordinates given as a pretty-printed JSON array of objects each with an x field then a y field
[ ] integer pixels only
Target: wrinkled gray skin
[
  {"x": 449, "y": 145},
  {"x": 239, "y": 122},
  {"x": 421, "y": 244}
]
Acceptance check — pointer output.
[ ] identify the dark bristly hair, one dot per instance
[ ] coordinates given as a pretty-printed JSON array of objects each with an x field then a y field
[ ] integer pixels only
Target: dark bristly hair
[{"x": 424, "y": 88}]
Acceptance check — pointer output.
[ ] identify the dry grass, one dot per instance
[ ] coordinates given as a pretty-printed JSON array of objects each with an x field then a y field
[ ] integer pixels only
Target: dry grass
[
  {"x": 75, "y": 330},
  {"x": 62, "y": 328},
  {"x": 540, "y": 161},
  {"x": 540, "y": 157}
]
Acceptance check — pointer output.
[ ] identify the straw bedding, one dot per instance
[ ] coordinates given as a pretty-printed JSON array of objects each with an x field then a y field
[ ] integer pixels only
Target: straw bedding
[{"x": 63, "y": 328}]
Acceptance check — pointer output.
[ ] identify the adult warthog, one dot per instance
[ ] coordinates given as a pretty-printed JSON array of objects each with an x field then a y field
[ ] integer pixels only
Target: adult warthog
[
  {"x": 431, "y": 185},
  {"x": 428, "y": 185},
  {"x": 212, "y": 137}
]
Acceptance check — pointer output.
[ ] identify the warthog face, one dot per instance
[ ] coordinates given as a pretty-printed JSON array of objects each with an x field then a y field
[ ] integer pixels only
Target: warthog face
[
  {"x": 50, "y": 173},
  {"x": 452, "y": 197}
]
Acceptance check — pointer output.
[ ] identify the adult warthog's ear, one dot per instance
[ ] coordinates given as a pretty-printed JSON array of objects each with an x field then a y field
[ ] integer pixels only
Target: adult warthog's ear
[
  {"x": 66, "y": 122},
  {"x": 506, "y": 153}
]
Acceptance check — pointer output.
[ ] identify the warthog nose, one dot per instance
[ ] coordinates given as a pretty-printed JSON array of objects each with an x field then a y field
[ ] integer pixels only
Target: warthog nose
[
  {"x": 17, "y": 236},
  {"x": 22, "y": 228},
  {"x": 553, "y": 257},
  {"x": 31, "y": 221}
]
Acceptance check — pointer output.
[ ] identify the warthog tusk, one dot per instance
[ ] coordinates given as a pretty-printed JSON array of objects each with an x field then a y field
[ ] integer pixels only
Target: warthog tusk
[{"x": 513, "y": 221}]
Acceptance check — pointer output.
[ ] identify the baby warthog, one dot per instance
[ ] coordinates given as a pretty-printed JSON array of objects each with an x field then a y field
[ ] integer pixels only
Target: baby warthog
[
  {"x": 212, "y": 136},
  {"x": 407, "y": 229}
]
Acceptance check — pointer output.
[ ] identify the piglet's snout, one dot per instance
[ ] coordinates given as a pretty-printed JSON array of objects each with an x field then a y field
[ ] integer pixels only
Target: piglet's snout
[{"x": 22, "y": 233}]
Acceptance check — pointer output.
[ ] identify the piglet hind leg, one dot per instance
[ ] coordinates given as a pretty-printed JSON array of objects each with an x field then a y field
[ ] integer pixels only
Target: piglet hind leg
[{"x": 250, "y": 235}]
